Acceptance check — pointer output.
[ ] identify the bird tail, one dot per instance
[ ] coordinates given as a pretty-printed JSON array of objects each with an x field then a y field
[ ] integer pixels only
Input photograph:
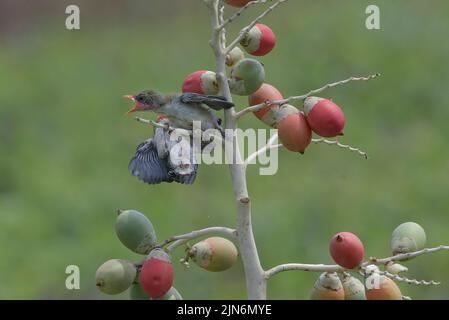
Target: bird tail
[{"x": 149, "y": 168}]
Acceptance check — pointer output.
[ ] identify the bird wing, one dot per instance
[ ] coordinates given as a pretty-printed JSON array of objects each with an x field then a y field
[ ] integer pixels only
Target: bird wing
[
  {"x": 184, "y": 178},
  {"x": 147, "y": 166},
  {"x": 214, "y": 102}
]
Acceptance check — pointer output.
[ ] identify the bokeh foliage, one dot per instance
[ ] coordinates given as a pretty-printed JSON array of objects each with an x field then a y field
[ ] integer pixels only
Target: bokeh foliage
[{"x": 65, "y": 144}]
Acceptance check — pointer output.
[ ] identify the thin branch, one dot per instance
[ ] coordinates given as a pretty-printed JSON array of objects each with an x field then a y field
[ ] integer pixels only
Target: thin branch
[
  {"x": 258, "y": 107},
  {"x": 177, "y": 241},
  {"x": 335, "y": 268},
  {"x": 342, "y": 146},
  {"x": 223, "y": 24},
  {"x": 270, "y": 145},
  {"x": 155, "y": 124},
  {"x": 302, "y": 267},
  {"x": 409, "y": 281},
  {"x": 405, "y": 256},
  {"x": 245, "y": 30}
]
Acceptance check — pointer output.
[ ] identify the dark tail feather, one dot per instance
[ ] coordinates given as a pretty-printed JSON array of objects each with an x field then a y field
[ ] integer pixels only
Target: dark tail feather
[
  {"x": 185, "y": 178},
  {"x": 218, "y": 102},
  {"x": 147, "y": 166}
]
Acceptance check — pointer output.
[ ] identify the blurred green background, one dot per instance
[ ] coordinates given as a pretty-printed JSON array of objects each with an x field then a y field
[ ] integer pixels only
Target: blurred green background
[{"x": 65, "y": 143}]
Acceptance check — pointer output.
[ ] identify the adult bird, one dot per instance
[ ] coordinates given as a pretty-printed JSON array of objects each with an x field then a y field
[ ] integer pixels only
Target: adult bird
[
  {"x": 168, "y": 156},
  {"x": 182, "y": 109}
]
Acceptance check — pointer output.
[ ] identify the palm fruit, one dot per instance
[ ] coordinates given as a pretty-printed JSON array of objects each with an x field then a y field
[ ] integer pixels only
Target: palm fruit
[
  {"x": 156, "y": 275},
  {"x": 395, "y": 268},
  {"x": 328, "y": 287},
  {"x": 135, "y": 231},
  {"x": 201, "y": 82},
  {"x": 234, "y": 56},
  {"x": 171, "y": 294},
  {"x": 115, "y": 276},
  {"x": 259, "y": 41},
  {"x": 246, "y": 77},
  {"x": 347, "y": 250},
  {"x": 214, "y": 254},
  {"x": 136, "y": 292},
  {"x": 353, "y": 287},
  {"x": 294, "y": 132},
  {"x": 237, "y": 3},
  {"x": 324, "y": 117},
  {"x": 387, "y": 290},
  {"x": 408, "y": 237},
  {"x": 265, "y": 93}
]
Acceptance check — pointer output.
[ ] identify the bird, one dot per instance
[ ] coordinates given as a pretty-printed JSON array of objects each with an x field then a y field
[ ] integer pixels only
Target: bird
[
  {"x": 182, "y": 109},
  {"x": 168, "y": 156}
]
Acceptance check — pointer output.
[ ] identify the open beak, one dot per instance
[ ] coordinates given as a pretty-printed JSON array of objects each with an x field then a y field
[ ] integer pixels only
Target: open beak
[{"x": 136, "y": 107}]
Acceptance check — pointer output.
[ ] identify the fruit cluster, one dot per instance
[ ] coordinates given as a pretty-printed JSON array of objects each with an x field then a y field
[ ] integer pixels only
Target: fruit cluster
[
  {"x": 247, "y": 78},
  {"x": 153, "y": 278},
  {"x": 348, "y": 252}
]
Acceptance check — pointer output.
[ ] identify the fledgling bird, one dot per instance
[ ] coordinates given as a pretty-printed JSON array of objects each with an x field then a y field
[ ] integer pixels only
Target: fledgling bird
[
  {"x": 182, "y": 109},
  {"x": 167, "y": 157}
]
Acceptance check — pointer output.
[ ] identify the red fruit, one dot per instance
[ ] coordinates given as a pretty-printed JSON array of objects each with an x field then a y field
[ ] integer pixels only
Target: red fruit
[
  {"x": 259, "y": 41},
  {"x": 347, "y": 250},
  {"x": 201, "y": 82},
  {"x": 324, "y": 117},
  {"x": 156, "y": 275},
  {"x": 294, "y": 132},
  {"x": 265, "y": 92},
  {"x": 237, "y": 3}
]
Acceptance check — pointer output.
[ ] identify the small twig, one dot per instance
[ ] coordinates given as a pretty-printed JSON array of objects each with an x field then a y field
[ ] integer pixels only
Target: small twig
[
  {"x": 177, "y": 241},
  {"x": 270, "y": 145},
  {"x": 245, "y": 30},
  {"x": 335, "y": 268},
  {"x": 223, "y": 24},
  {"x": 409, "y": 281},
  {"x": 342, "y": 146},
  {"x": 404, "y": 256},
  {"x": 155, "y": 124},
  {"x": 302, "y": 267},
  {"x": 258, "y": 107}
]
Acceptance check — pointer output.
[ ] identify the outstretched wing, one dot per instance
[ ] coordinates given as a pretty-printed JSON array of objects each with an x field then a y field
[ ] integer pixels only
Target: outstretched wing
[
  {"x": 147, "y": 166},
  {"x": 214, "y": 102}
]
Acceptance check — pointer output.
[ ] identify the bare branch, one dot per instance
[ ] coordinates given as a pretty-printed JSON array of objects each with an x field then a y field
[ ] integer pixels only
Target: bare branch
[
  {"x": 177, "y": 241},
  {"x": 303, "y": 267},
  {"x": 342, "y": 146},
  {"x": 301, "y": 98},
  {"x": 239, "y": 13},
  {"x": 335, "y": 268},
  {"x": 409, "y": 281},
  {"x": 270, "y": 145},
  {"x": 404, "y": 256},
  {"x": 155, "y": 124},
  {"x": 245, "y": 30}
]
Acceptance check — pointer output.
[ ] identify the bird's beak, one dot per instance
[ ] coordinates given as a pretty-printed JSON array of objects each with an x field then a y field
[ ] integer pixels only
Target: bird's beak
[{"x": 136, "y": 107}]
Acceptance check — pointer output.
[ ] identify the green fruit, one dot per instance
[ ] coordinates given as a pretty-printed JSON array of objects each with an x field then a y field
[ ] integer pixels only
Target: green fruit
[
  {"x": 354, "y": 288},
  {"x": 135, "y": 231},
  {"x": 328, "y": 287},
  {"x": 214, "y": 254},
  {"x": 234, "y": 56},
  {"x": 408, "y": 237},
  {"x": 247, "y": 77},
  {"x": 136, "y": 292},
  {"x": 115, "y": 276},
  {"x": 171, "y": 294}
]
